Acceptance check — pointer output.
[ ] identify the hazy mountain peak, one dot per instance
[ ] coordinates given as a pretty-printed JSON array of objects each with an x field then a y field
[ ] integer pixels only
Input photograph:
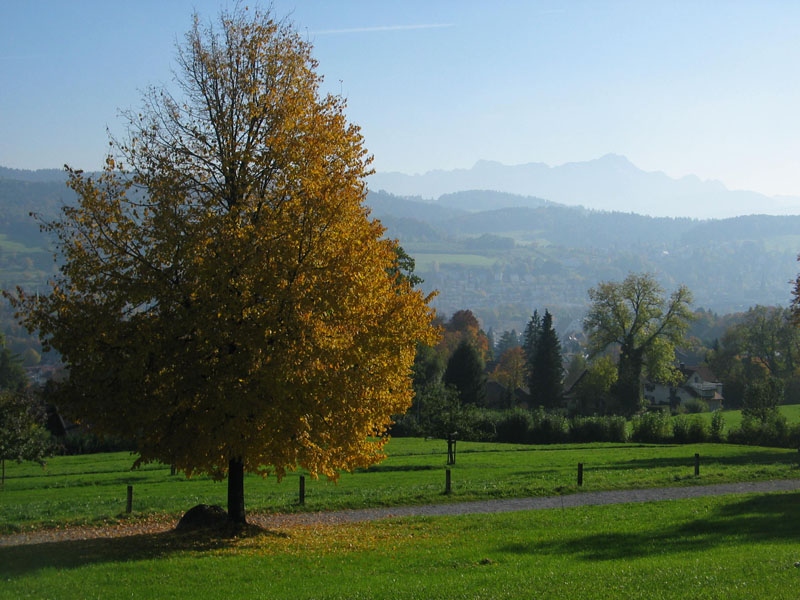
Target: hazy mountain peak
[{"x": 611, "y": 183}]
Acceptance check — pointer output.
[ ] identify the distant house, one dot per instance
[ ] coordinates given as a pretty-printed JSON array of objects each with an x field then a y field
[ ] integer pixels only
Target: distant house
[
  {"x": 499, "y": 396},
  {"x": 699, "y": 384}
]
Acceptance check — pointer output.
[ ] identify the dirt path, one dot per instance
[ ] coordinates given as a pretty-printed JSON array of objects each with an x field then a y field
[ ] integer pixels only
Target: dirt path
[{"x": 274, "y": 521}]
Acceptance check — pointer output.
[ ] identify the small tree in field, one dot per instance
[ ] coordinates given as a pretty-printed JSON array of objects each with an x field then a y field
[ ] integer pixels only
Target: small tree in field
[
  {"x": 22, "y": 435},
  {"x": 224, "y": 301}
]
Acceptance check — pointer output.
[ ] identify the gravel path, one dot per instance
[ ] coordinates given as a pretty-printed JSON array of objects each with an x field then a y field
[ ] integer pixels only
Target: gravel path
[
  {"x": 271, "y": 520},
  {"x": 517, "y": 504}
]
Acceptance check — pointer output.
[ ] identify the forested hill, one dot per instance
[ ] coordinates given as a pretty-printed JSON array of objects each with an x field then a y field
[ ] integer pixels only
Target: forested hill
[
  {"x": 526, "y": 253},
  {"x": 500, "y": 254}
]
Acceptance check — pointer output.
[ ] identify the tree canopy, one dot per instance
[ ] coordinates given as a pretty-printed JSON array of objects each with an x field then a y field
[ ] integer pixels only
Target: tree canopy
[
  {"x": 225, "y": 301},
  {"x": 546, "y": 370},
  {"x": 636, "y": 317}
]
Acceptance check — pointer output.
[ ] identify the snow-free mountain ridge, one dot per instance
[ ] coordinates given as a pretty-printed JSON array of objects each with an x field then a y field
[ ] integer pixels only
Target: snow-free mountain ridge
[{"x": 610, "y": 183}]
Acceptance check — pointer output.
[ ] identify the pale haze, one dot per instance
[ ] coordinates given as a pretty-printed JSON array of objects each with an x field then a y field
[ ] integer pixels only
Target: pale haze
[{"x": 702, "y": 88}]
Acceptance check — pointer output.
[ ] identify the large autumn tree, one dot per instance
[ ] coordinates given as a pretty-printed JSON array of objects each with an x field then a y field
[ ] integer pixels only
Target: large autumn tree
[
  {"x": 225, "y": 301},
  {"x": 637, "y": 318}
]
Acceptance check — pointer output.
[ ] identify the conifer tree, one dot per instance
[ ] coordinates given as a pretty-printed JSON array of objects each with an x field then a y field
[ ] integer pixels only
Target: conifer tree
[
  {"x": 465, "y": 373},
  {"x": 547, "y": 368}
]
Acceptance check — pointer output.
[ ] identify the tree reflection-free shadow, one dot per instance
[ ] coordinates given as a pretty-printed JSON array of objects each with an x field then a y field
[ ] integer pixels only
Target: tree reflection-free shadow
[
  {"x": 772, "y": 517},
  {"x": 19, "y": 560}
]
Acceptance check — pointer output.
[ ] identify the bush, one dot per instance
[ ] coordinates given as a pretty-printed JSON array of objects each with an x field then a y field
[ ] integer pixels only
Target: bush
[
  {"x": 680, "y": 430},
  {"x": 773, "y": 431},
  {"x": 695, "y": 405},
  {"x": 652, "y": 427},
  {"x": 597, "y": 429},
  {"x": 83, "y": 442},
  {"x": 483, "y": 425},
  {"x": 548, "y": 427},
  {"x": 717, "y": 426},
  {"x": 698, "y": 431},
  {"x": 514, "y": 426}
]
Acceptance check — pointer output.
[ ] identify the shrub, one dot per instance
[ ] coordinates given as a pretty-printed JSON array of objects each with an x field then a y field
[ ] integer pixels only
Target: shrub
[
  {"x": 717, "y": 426},
  {"x": 695, "y": 405},
  {"x": 548, "y": 427},
  {"x": 698, "y": 431},
  {"x": 680, "y": 430},
  {"x": 771, "y": 432},
  {"x": 597, "y": 429},
  {"x": 651, "y": 427},
  {"x": 514, "y": 426},
  {"x": 84, "y": 442}
]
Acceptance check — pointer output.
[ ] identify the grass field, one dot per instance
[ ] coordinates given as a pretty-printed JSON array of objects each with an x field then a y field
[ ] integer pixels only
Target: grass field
[
  {"x": 733, "y": 418},
  {"x": 731, "y": 547},
  {"x": 426, "y": 262},
  {"x": 92, "y": 488}
]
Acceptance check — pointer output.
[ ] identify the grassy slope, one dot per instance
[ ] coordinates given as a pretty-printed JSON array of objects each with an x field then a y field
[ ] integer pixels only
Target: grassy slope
[
  {"x": 726, "y": 547},
  {"x": 92, "y": 488}
]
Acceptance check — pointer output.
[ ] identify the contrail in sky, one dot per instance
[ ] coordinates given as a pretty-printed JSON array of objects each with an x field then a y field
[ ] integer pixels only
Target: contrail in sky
[{"x": 383, "y": 28}]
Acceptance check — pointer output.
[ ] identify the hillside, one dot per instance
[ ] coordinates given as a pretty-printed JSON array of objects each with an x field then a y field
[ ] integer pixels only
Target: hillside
[
  {"x": 501, "y": 254},
  {"x": 554, "y": 253}
]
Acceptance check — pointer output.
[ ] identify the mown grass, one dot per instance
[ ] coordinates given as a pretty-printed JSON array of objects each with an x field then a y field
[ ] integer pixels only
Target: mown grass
[
  {"x": 727, "y": 547},
  {"x": 733, "y": 418},
  {"x": 92, "y": 488}
]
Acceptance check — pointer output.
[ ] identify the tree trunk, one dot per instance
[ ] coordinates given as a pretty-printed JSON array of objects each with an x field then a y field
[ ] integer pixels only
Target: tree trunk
[
  {"x": 627, "y": 389},
  {"x": 236, "y": 490}
]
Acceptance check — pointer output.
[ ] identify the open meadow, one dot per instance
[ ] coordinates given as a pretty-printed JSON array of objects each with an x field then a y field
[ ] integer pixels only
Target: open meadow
[
  {"x": 93, "y": 488},
  {"x": 738, "y": 546}
]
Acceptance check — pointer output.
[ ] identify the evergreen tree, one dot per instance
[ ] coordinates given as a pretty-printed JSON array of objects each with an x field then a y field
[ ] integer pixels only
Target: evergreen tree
[
  {"x": 465, "y": 373},
  {"x": 508, "y": 340},
  {"x": 547, "y": 372},
  {"x": 529, "y": 340}
]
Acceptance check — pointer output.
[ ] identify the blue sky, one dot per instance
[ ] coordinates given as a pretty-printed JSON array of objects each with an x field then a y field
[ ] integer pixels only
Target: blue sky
[{"x": 702, "y": 87}]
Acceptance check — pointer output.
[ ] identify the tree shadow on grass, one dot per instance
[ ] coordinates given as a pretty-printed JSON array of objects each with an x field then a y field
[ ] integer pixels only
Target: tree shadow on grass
[
  {"x": 772, "y": 517},
  {"x": 69, "y": 554},
  {"x": 394, "y": 468},
  {"x": 743, "y": 459}
]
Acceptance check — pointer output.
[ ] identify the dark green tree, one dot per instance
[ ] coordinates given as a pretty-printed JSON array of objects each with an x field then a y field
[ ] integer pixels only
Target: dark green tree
[
  {"x": 22, "y": 433},
  {"x": 530, "y": 337},
  {"x": 761, "y": 398},
  {"x": 547, "y": 369},
  {"x": 508, "y": 340},
  {"x": 12, "y": 374},
  {"x": 465, "y": 373}
]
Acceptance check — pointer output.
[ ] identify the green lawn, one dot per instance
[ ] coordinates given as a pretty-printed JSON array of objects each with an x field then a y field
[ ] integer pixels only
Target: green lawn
[
  {"x": 93, "y": 488},
  {"x": 731, "y": 547},
  {"x": 733, "y": 418}
]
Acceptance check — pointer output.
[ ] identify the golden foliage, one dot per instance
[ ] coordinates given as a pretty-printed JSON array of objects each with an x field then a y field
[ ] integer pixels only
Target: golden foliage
[{"x": 223, "y": 290}]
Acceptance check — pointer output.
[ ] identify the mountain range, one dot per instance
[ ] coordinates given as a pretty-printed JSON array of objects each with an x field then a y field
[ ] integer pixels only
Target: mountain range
[{"x": 609, "y": 183}]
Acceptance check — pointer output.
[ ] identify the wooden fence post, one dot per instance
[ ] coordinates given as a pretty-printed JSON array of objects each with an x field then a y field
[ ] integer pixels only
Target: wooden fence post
[
  {"x": 580, "y": 474},
  {"x": 696, "y": 465},
  {"x": 447, "y": 481},
  {"x": 129, "y": 503},
  {"x": 172, "y": 469},
  {"x": 302, "y": 489}
]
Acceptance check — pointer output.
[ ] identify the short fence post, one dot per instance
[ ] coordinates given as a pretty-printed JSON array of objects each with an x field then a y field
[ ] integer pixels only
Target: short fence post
[
  {"x": 696, "y": 465},
  {"x": 129, "y": 504},
  {"x": 172, "y": 469},
  {"x": 447, "y": 481},
  {"x": 580, "y": 474},
  {"x": 302, "y": 489}
]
